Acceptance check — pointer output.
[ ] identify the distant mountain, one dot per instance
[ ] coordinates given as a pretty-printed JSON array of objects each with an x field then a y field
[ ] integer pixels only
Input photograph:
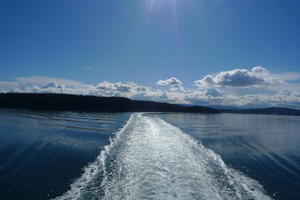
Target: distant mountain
[
  {"x": 66, "y": 102},
  {"x": 221, "y": 107},
  {"x": 265, "y": 111}
]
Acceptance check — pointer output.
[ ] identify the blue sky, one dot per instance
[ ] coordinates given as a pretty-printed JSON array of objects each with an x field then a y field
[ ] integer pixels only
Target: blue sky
[{"x": 145, "y": 41}]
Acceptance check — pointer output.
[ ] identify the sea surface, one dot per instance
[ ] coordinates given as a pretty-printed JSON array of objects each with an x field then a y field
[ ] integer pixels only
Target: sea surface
[{"x": 77, "y": 155}]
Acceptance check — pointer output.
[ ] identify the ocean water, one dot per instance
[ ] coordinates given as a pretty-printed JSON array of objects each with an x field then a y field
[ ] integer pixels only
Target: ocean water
[{"x": 72, "y": 155}]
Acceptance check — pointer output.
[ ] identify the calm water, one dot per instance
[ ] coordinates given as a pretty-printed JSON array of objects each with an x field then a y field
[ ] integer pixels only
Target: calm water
[{"x": 69, "y": 155}]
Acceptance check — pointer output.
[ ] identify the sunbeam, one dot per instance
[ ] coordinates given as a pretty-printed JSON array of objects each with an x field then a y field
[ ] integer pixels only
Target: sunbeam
[{"x": 167, "y": 8}]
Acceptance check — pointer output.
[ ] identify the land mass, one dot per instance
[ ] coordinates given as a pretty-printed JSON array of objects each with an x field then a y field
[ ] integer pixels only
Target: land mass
[
  {"x": 68, "y": 102},
  {"x": 264, "y": 111}
]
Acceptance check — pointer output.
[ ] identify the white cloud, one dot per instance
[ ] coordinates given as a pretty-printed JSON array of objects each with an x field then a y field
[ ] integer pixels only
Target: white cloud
[
  {"x": 239, "y": 87},
  {"x": 120, "y": 87},
  {"x": 288, "y": 76},
  {"x": 53, "y": 85},
  {"x": 257, "y": 76},
  {"x": 8, "y": 86},
  {"x": 174, "y": 83},
  {"x": 42, "y": 81},
  {"x": 129, "y": 90},
  {"x": 214, "y": 92}
]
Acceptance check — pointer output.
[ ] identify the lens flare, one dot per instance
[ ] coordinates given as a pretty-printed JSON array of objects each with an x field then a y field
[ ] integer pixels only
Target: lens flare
[
  {"x": 157, "y": 4},
  {"x": 165, "y": 7}
]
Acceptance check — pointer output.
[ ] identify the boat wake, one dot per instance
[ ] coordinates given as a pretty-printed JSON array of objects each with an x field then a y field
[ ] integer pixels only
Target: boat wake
[{"x": 152, "y": 159}]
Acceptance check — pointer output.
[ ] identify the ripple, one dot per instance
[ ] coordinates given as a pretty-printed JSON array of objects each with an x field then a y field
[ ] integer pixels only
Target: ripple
[{"x": 152, "y": 159}]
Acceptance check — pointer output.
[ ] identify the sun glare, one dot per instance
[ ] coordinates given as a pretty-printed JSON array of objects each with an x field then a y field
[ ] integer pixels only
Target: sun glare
[
  {"x": 156, "y": 4},
  {"x": 164, "y": 6}
]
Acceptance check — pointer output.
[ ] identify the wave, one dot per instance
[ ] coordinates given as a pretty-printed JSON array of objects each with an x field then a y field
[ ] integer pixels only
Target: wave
[{"x": 152, "y": 159}]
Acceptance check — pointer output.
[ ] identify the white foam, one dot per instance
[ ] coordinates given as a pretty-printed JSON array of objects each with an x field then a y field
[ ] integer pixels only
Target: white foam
[{"x": 152, "y": 159}]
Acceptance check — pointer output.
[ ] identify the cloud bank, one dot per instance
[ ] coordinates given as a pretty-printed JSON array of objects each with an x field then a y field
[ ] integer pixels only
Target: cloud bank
[
  {"x": 256, "y": 87},
  {"x": 257, "y": 76}
]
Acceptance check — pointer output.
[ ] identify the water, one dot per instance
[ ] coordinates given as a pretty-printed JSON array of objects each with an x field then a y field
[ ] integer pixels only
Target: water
[
  {"x": 66, "y": 155},
  {"x": 42, "y": 153}
]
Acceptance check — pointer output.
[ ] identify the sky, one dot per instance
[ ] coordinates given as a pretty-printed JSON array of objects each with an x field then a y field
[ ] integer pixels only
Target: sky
[{"x": 205, "y": 52}]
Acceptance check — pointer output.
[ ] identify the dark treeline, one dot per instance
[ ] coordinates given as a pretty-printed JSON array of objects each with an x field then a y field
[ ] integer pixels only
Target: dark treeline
[{"x": 66, "y": 102}]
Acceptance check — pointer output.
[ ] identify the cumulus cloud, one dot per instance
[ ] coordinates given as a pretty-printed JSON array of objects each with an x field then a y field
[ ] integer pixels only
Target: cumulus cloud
[
  {"x": 173, "y": 83},
  {"x": 130, "y": 89},
  {"x": 214, "y": 92},
  {"x": 257, "y": 76},
  {"x": 53, "y": 85},
  {"x": 223, "y": 89},
  {"x": 288, "y": 76},
  {"x": 105, "y": 85}
]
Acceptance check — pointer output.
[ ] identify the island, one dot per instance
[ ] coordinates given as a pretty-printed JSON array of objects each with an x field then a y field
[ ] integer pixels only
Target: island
[{"x": 85, "y": 103}]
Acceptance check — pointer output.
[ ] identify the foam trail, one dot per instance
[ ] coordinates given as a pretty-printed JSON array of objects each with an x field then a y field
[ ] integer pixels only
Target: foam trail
[{"x": 152, "y": 159}]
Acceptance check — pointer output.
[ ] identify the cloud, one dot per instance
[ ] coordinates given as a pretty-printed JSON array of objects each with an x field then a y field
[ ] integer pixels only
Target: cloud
[
  {"x": 42, "y": 81},
  {"x": 53, "y": 85},
  {"x": 288, "y": 76},
  {"x": 130, "y": 89},
  {"x": 257, "y": 76},
  {"x": 174, "y": 83},
  {"x": 105, "y": 85},
  {"x": 239, "y": 87},
  {"x": 214, "y": 92},
  {"x": 8, "y": 86}
]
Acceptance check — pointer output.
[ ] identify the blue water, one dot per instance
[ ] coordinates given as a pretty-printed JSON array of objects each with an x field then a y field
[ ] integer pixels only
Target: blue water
[{"x": 71, "y": 155}]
